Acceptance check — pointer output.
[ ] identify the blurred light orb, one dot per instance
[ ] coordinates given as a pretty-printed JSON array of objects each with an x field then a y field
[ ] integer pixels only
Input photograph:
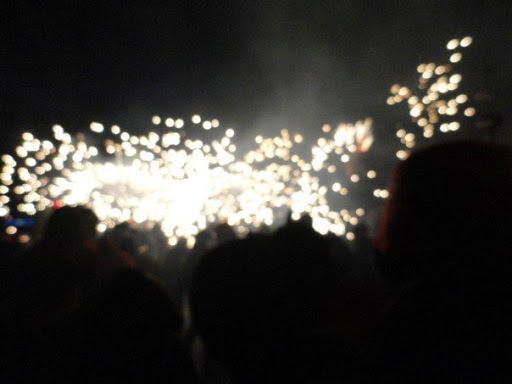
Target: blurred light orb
[
  {"x": 455, "y": 78},
  {"x": 466, "y": 41},
  {"x": 179, "y": 123},
  {"x": 456, "y": 57},
  {"x": 11, "y": 230},
  {"x": 96, "y": 127},
  {"x": 461, "y": 99},
  {"x": 452, "y": 44},
  {"x": 469, "y": 112}
]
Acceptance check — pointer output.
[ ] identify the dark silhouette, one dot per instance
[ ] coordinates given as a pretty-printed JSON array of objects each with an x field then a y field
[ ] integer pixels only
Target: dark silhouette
[
  {"x": 224, "y": 232},
  {"x": 271, "y": 308},
  {"x": 50, "y": 281},
  {"x": 444, "y": 241},
  {"x": 430, "y": 303},
  {"x": 77, "y": 310},
  {"x": 130, "y": 333},
  {"x": 174, "y": 271},
  {"x": 58, "y": 269}
]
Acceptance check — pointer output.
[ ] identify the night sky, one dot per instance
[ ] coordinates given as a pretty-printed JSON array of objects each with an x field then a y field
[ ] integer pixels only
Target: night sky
[{"x": 256, "y": 65}]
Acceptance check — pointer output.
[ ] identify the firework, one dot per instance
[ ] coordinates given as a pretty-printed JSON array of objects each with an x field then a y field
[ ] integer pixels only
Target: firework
[
  {"x": 185, "y": 183},
  {"x": 433, "y": 106}
]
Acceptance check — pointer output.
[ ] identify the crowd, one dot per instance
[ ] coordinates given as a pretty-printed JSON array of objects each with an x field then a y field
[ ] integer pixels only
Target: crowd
[{"x": 425, "y": 300}]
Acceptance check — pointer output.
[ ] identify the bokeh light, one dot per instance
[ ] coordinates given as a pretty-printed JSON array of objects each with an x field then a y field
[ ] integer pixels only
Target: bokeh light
[
  {"x": 184, "y": 181},
  {"x": 431, "y": 105}
]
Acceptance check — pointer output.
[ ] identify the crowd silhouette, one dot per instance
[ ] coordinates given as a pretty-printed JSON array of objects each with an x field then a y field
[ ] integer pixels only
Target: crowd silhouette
[{"x": 425, "y": 300}]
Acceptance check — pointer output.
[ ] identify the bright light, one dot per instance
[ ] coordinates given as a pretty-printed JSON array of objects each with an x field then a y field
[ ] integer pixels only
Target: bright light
[
  {"x": 96, "y": 127},
  {"x": 354, "y": 178},
  {"x": 461, "y": 99},
  {"x": 452, "y": 44},
  {"x": 182, "y": 182},
  {"x": 359, "y": 134},
  {"x": 455, "y": 78},
  {"x": 469, "y": 112},
  {"x": 11, "y": 230},
  {"x": 456, "y": 57},
  {"x": 402, "y": 155},
  {"x": 454, "y": 126},
  {"x": 431, "y": 99},
  {"x": 466, "y": 42},
  {"x": 179, "y": 123}
]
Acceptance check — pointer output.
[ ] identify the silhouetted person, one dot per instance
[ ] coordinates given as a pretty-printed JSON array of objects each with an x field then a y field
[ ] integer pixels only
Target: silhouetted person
[
  {"x": 119, "y": 248},
  {"x": 444, "y": 240},
  {"x": 59, "y": 266},
  {"x": 205, "y": 240},
  {"x": 224, "y": 232},
  {"x": 130, "y": 333},
  {"x": 50, "y": 282},
  {"x": 270, "y": 308},
  {"x": 174, "y": 270}
]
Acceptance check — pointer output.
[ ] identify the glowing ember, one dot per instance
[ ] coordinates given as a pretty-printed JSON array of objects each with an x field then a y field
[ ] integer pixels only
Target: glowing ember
[
  {"x": 182, "y": 183},
  {"x": 431, "y": 107}
]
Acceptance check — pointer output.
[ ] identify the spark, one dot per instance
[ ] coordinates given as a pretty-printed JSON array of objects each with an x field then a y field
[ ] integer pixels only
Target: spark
[
  {"x": 431, "y": 107},
  {"x": 184, "y": 183}
]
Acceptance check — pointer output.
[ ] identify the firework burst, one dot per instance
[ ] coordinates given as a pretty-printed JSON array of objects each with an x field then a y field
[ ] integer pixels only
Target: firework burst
[
  {"x": 433, "y": 106},
  {"x": 185, "y": 183}
]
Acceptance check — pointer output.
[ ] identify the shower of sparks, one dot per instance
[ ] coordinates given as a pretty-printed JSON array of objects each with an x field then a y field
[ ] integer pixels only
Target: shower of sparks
[
  {"x": 433, "y": 107},
  {"x": 186, "y": 184}
]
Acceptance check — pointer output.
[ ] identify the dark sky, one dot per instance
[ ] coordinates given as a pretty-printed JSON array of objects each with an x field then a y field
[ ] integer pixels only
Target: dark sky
[{"x": 253, "y": 64}]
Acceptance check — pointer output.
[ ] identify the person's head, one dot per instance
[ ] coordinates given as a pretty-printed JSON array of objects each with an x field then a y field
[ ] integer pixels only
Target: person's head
[
  {"x": 449, "y": 207},
  {"x": 264, "y": 304},
  {"x": 130, "y": 332},
  {"x": 71, "y": 224},
  {"x": 204, "y": 240},
  {"x": 224, "y": 232}
]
